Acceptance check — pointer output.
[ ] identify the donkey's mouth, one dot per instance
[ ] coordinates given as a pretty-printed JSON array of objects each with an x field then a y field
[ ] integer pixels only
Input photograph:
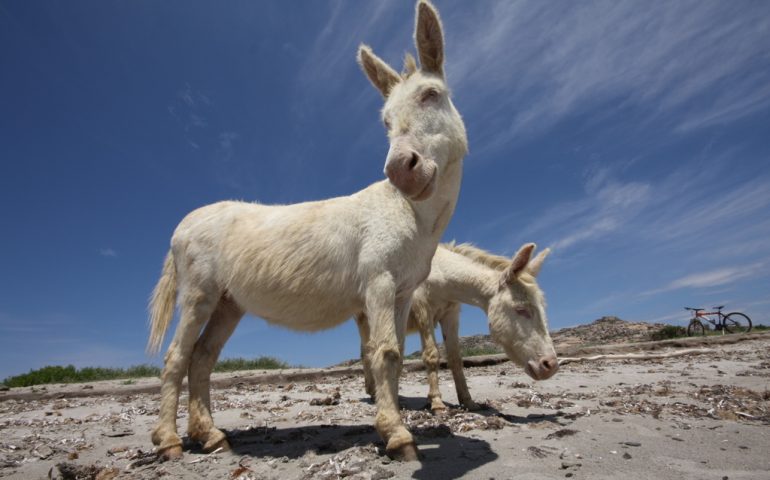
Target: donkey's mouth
[{"x": 427, "y": 191}]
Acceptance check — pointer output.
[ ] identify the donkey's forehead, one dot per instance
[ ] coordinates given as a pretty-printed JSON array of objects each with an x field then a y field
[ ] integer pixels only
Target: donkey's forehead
[
  {"x": 405, "y": 89},
  {"x": 524, "y": 290}
]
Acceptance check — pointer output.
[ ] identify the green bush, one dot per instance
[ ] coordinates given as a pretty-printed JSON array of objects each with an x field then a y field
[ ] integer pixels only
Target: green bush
[
  {"x": 669, "y": 331},
  {"x": 478, "y": 351},
  {"x": 261, "y": 363},
  {"x": 70, "y": 374}
]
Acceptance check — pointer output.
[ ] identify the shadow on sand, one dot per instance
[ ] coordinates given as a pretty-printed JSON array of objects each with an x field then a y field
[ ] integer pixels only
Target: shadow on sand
[
  {"x": 450, "y": 456},
  {"x": 444, "y": 454}
]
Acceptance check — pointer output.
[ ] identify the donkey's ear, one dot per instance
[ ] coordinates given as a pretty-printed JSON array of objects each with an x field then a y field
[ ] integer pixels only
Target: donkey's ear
[
  {"x": 534, "y": 265},
  {"x": 382, "y": 76},
  {"x": 429, "y": 39},
  {"x": 519, "y": 263}
]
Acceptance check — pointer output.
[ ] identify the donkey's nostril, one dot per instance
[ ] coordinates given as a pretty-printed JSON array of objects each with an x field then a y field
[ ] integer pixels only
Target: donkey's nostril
[
  {"x": 549, "y": 363},
  {"x": 413, "y": 161}
]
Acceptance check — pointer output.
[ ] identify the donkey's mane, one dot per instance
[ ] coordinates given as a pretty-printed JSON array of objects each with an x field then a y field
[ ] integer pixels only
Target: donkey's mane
[
  {"x": 478, "y": 255},
  {"x": 410, "y": 66}
]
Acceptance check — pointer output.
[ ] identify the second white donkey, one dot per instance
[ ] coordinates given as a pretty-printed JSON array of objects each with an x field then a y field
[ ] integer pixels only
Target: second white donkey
[{"x": 505, "y": 289}]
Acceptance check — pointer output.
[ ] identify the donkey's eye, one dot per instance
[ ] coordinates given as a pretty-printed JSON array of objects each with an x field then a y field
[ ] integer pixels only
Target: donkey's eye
[
  {"x": 523, "y": 312},
  {"x": 386, "y": 123},
  {"x": 429, "y": 95}
]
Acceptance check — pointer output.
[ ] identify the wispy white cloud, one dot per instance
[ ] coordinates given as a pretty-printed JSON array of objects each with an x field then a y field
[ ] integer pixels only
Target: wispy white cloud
[
  {"x": 348, "y": 25},
  {"x": 107, "y": 252},
  {"x": 607, "y": 207},
  {"x": 713, "y": 278},
  {"x": 544, "y": 61},
  {"x": 702, "y": 206},
  {"x": 190, "y": 108}
]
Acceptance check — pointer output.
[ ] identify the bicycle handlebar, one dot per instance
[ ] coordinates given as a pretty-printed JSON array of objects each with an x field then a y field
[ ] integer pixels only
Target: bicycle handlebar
[{"x": 693, "y": 309}]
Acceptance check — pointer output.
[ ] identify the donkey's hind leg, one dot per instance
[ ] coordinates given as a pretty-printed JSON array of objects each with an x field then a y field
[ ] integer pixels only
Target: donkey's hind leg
[
  {"x": 450, "y": 325},
  {"x": 200, "y": 425},
  {"x": 431, "y": 359},
  {"x": 196, "y": 308},
  {"x": 364, "y": 330}
]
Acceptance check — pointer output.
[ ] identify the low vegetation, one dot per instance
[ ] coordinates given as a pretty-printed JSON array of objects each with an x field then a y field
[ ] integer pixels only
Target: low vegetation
[
  {"x": 669, "y": 331},
  {"x": 478, "y": 351},
  {"x": 70, "y": 374}
]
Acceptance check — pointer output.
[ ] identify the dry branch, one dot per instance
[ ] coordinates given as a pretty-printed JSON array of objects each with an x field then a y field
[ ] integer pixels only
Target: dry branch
[{"x": 637, "y": 356}]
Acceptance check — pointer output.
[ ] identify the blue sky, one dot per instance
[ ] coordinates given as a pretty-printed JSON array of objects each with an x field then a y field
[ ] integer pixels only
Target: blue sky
[{"x": 631, "y": 137}]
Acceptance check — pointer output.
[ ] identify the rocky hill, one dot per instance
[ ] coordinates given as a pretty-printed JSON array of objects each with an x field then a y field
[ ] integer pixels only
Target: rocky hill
[{"x": 603, "y": 331}]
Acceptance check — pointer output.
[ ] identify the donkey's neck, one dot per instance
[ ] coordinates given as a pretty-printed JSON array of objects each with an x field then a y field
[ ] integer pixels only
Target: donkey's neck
[
  {"x": 434, "y": 213},
  {"x": 457, "y": 278}
]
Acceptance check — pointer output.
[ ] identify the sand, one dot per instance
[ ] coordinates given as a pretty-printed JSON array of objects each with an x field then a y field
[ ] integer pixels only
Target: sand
[{"x": 693, "y": 417}]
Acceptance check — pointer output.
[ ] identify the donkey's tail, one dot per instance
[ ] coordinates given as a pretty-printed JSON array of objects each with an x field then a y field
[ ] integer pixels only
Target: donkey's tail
[{"x": 162, "y": 305}]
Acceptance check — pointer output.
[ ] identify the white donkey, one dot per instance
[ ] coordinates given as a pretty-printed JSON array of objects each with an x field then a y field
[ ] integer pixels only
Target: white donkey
[
  {"x": 506, "y": 290},
  {"x": 314, "y": 265}
]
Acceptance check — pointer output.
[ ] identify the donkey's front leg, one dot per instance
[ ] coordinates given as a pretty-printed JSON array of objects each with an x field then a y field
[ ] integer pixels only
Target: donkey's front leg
[
  {"x": 387, "y": 315},
  {"x": 450, "y": 325}
]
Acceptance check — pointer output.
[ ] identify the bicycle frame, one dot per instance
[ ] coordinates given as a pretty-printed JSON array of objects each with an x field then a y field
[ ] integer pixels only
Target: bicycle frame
[{"x": 701, "y": 314}]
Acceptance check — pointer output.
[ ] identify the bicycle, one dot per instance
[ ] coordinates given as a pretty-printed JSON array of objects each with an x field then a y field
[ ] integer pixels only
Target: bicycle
[{"x": 731, "y": 323}]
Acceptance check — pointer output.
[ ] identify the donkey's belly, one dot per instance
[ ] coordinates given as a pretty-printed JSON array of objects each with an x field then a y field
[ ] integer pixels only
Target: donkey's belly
[{"x": 297, "y": 311}]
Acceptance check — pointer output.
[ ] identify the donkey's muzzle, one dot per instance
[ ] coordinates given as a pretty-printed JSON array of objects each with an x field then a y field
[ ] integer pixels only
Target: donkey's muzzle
[
  {"x": 411, "y": 173},
  {"x": 542, "y": 368}
]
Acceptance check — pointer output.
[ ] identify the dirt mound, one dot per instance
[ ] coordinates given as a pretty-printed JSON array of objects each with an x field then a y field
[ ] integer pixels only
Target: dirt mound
[
  {"x": 603, "y": 331},
  {"x": 606, "y": 330}
]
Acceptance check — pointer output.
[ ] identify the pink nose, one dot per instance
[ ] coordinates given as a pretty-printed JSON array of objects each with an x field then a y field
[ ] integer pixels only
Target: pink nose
[
  {"x": 410, "y": 173},
  {"x": 544, "y": 367}
]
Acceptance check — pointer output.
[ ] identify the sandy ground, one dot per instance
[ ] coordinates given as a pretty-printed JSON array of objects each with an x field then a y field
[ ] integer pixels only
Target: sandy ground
[{"x": 696, "y": 417}]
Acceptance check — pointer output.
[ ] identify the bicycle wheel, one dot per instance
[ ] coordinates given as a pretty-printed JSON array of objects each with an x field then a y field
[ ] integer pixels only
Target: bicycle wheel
[
  {"x": 695, "y": 328},
  {"x": 737, "y": 322}
]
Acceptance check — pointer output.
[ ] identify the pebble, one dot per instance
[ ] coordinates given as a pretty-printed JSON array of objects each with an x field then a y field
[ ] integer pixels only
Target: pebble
[
  {"x": 43, "y": 452},
  {"x": 627, "y": 456},
  {"x": 632, "y": 444}
]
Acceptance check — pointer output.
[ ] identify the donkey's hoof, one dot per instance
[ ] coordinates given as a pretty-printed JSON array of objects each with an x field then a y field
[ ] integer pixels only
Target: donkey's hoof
[
  {"x": 170, "y": 453},
  {"x": 472, "y": 406},
  {"x": 437, "y": 406},
  {"x": 215, "y": 444},
  {"x": 405, "y": 453}
]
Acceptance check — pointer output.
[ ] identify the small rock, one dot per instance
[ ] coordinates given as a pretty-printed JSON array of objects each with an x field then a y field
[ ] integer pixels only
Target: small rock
[
  {"x": 42, "y": 452},
  {"x": 88, "y": 387},
  {"x": 627, "y": 456},
  {"x": 632, "y": 444},
  {"x": 107, "y": 474},
  {"x": 114, "y": 450}
]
